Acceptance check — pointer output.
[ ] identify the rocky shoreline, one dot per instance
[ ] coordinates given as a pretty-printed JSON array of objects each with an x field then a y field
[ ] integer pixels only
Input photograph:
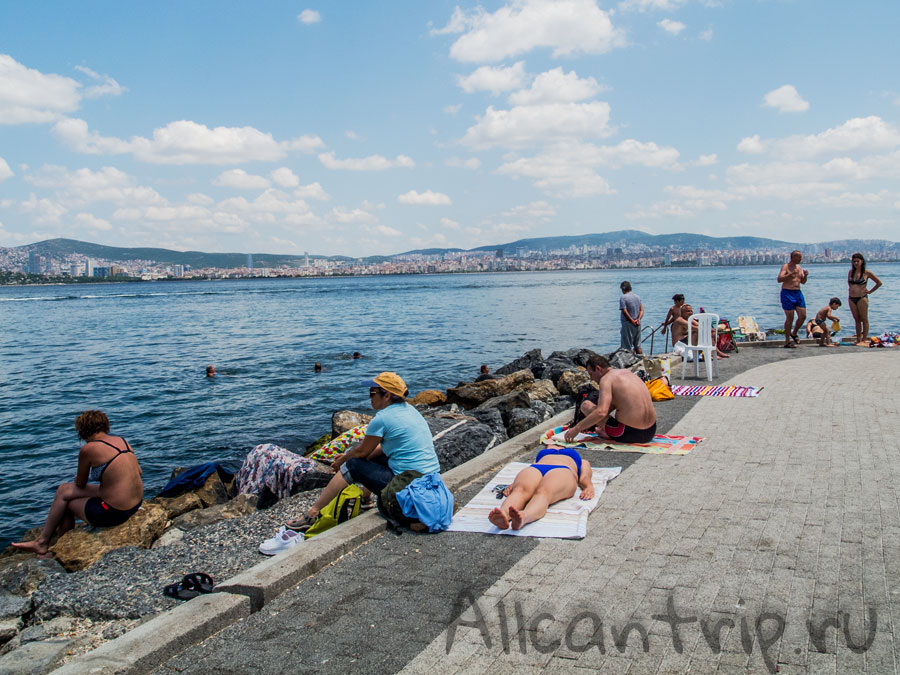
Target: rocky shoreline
[{"x": 103, "y": 583}]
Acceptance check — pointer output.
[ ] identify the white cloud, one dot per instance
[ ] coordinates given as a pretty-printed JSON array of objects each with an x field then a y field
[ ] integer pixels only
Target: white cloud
[
  {"x": 200, "y": 199},
  {"x": 554, "y": 86},
  {"x": 650, "y": 5},
  {"x": 312, "y": 191},
  {"x": 284, "y": 177},
  {"x": 672, "y": 27},
  {"x": 371, "y": 163},
  {"x": 5, "y": 171},
  {"x": 859, "y": 134},
  {"x": 785, "y": 99},
  {"x": 686, "y": 201},
  {"x": 566, "y": 170},
  {"x": 28, "y": 96},
  {"x": 384, "y": 231},
  {"x": 706, "y": 160},
  {"x": 752, "y": 145},
  {"x": 76, "y": 189},
  {"x": 449, "y": 224},
  {"x": 471, "y": 163},
  {"x": 567, "y": 27},
  {"x": 706, "y": 35},
  {"x": 524, "y": 125},
  {"x": 185, "y": 142},
  {"x": 352, "y": 135},
  {"x": 569, "y": 169},
  {"x": 453, "y": 109},
  {"x": 494, "y": 80},
  {"x": 309, "y": 16},
  {"x": 92, "y": 222},
  {"x": 345, "y": 215},
  {"x": 427, "y": 198},
  {"x": 43, "y": 210},
  {"x": 537, "y": 210},
  {"x": 107, "y": 87},
  {"x": 240, "y": 180}
]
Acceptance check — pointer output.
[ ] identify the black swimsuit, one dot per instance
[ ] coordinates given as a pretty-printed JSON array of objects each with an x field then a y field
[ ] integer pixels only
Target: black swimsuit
[
  {"x": 96, "y": 511},
  {"x": 857, "y": 282}
]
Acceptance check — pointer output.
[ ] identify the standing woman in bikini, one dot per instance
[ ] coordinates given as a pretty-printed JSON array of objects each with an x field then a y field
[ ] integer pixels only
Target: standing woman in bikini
[
  {"x": 857, "y": 279},
  {"x": 110, "y": 461}
]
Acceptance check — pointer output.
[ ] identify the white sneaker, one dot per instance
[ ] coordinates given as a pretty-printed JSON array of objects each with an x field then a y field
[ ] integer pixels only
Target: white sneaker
[{"x": 282, "y": 541}]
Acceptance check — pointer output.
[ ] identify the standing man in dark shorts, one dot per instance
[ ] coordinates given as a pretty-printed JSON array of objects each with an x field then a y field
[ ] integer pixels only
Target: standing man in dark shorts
[
  {"x": 791, "y": 277},
  {"x": 632, "y": 311},
  {"x": 622, "y": 392}
]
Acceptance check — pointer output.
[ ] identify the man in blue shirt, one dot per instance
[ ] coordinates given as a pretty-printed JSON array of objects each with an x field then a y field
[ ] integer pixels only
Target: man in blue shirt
[
  {"x": 398, "y": 439},
  {"x": 632, "y": 311}
]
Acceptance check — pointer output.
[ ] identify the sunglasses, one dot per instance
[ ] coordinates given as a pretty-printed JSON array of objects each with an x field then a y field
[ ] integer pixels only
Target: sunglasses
[{"x": 375, "y": 392}]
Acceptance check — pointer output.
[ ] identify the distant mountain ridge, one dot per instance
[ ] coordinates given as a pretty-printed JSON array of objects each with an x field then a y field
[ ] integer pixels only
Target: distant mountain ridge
[{"x": 684, "y": 241}]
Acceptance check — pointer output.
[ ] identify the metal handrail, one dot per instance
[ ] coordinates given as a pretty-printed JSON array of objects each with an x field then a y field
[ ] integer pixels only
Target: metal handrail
[{"x": 652, "y": 336}]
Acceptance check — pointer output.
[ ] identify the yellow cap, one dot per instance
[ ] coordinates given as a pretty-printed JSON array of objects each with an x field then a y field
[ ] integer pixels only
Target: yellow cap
[{"x": 390, "y": 382}]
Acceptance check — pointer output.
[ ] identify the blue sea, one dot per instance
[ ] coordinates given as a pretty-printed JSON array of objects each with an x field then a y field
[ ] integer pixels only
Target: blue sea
[{"x": 138, "y": 351}]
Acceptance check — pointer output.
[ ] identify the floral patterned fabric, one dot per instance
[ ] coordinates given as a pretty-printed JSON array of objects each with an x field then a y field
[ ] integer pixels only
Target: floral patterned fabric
[{"x": 273, "y": 467}]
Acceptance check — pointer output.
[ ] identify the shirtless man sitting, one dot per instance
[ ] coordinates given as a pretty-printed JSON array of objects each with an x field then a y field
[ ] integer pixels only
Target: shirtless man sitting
[{"x": 624, "y": 393}]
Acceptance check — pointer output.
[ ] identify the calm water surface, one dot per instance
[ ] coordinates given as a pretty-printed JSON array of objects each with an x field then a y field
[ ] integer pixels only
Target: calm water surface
[{"x": 138, "y": 352}]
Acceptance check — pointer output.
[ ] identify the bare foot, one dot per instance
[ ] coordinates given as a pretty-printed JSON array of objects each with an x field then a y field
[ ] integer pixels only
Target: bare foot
[
  {"x": 31, "y": 546},
  {"x": 515, "y": 518},
  {"x": 498, "y": 518},
  {"x": 862, "y": 344}
]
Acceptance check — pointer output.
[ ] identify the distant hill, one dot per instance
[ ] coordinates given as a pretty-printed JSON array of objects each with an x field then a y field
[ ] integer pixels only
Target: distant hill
[{"x": 684, "y": 241}]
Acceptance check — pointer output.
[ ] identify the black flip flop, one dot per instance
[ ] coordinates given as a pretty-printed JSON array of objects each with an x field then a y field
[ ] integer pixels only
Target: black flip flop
[
  {"x": 198, "y": 581},
  {"x": 795, "y": 338},
  {"x": 180, "y": 592}
]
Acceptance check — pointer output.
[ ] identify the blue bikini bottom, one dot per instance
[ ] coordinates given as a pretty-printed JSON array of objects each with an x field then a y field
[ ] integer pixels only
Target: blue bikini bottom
[{"x": 544, "y": 468}]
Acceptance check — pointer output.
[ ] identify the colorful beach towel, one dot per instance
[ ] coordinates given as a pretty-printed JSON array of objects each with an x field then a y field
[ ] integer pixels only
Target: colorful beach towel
[
  {"x": 338, "y": 446},
  {"x": 564, "y": 520},
  {"x": 660, "y": 445},
  {"x": 732, "y": 391}
]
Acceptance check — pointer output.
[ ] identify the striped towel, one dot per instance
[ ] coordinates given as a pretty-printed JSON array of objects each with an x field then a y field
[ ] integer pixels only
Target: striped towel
[{"x": 731, "y": 391}]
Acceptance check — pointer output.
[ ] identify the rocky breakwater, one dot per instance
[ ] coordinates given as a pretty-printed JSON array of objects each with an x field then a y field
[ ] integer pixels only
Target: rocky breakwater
[{"x": 103, "y": 582}]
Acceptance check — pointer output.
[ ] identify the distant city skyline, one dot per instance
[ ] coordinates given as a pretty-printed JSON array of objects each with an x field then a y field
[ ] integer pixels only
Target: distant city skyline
[{"x": 363, "y": 128}]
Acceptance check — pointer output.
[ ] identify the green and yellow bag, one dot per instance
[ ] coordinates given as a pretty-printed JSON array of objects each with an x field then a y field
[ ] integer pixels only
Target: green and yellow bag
[{"x": 340, "y": 509}]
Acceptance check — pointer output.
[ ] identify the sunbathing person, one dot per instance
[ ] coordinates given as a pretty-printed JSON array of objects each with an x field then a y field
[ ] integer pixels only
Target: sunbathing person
[
  {"x": 110, "y": 461},
  {"x": 553, "y": 477},
  {"x": 397, "y": 439}
]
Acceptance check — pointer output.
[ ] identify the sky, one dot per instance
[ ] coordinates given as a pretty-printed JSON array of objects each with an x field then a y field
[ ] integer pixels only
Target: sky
[{"x": 363, "y": 128}]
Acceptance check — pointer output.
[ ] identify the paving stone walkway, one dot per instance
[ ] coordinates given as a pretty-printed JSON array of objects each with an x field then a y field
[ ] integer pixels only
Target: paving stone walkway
[{"x": 775, "y": 544}]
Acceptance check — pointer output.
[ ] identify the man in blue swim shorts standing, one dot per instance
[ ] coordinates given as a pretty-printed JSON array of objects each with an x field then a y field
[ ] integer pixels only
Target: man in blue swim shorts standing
[{"x": 791, "y": 277}]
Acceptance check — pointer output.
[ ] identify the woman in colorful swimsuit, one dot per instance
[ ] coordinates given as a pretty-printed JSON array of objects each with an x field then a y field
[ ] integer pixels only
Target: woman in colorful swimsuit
[
  {"x": 857, "y": 279},
  {"x": 553, "y": 477},
  {"x": 109, "y": 461}
]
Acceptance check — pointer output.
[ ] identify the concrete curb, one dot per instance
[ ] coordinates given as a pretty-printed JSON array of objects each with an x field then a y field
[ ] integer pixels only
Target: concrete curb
[
  {"x": 160, "y": 638},
  {"x": 169, "y": 633}
]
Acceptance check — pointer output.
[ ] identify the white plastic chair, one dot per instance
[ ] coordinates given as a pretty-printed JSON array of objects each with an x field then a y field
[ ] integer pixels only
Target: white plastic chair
[{"x": 705, "y": 344}]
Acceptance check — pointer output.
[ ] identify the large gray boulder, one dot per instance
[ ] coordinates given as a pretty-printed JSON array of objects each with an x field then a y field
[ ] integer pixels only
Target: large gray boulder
[
  {"x": 523, "y": 362},
  {"x": 507, "y": 403},
  {"x": 623, "y": 358},
  {"x": 521, "y": 420},
  {"x": 472, "y": 395},
  {"x": 344, "y": 420},
  {"x": 35, "y": 658},
  {"x": 542, "y": 390},
  {"x": 464, "y": 439},
  {"x": 23, "y": 575},
  {"x": 492, "y": 418},
  {"x": 571, "y": 381},
  {"x": 578, "y": 355}
]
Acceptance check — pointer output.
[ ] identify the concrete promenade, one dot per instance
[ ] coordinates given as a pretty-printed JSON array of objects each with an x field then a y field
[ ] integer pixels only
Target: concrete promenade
[{"x": 774, "y": 545}]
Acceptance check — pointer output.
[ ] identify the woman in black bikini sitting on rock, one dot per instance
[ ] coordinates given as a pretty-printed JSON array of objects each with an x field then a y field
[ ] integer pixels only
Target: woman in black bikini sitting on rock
[
  {"x": 857, "y": 279},
  {"x": 110, "y": 461}
]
